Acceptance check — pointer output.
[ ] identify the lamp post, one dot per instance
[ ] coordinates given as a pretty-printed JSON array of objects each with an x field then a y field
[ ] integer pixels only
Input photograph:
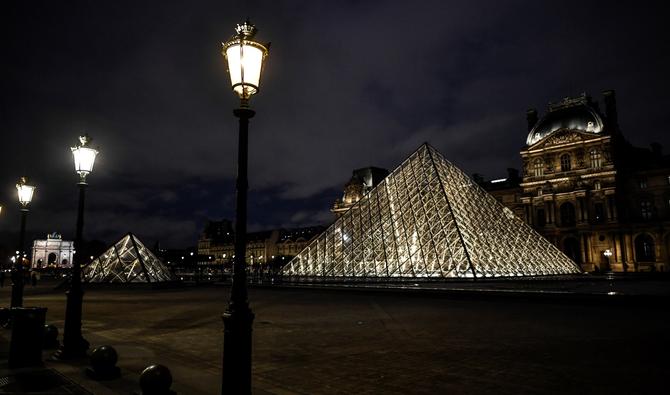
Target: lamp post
[
  {"x": 25, "y": 194},
  {"x": 74, "y": 344},
  {"x": 244, "y": 57},
  {"x": 608, "y": 254}
]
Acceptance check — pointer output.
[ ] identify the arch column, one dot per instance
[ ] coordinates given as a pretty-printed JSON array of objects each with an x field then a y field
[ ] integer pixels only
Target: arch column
[
  {"x": 582, "y": 242},
  {"x": 628, "y": 242}
]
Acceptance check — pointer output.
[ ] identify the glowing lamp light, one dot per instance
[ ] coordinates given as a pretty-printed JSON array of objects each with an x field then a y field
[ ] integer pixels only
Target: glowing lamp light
[
  {"x": 607, "y": 253},
  {"x": 25, "y": 192},
  {"x": 84, "y": 157},
  {"x": 245, "y": 60}
]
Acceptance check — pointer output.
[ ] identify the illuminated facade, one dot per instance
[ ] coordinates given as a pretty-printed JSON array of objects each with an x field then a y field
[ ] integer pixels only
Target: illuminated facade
[
  {"x": 54, "y": 252},
  {"x": 603, "y": 202},
  {"x": 127, "y": 261},
  {"x": 292, "y": 241},
  {"x": 262, "y": 247},
  {"x": 428, "y": 219},
  {"x": 216, "y": 241},
  {"x": 362, "y": 181}
]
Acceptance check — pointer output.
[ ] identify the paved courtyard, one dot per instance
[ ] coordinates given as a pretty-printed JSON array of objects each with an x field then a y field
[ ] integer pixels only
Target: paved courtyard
[{"x": 317, "y": 341}]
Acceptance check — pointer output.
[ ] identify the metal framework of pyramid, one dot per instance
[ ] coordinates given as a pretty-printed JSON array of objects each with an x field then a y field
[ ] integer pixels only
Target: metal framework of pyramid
[
  {"x": 127, "y": 261},
  {"x": 429, "y": 219}
]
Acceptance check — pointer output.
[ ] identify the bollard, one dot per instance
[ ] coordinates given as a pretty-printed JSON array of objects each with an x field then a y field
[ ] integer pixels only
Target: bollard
[
  {"x": 50, "y": 337},
  {"x": 156, "y": 380},
  {"x": 103, "y": 364}
]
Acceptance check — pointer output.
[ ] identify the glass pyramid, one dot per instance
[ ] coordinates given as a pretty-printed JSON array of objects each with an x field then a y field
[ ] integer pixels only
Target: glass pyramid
[
  {"x": 428, "y": 219},
  {"x": 127, "y": 261}
]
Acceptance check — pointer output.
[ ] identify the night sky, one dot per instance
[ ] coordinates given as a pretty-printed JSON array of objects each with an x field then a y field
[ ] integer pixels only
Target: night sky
[{"x": 347, "y": 84}]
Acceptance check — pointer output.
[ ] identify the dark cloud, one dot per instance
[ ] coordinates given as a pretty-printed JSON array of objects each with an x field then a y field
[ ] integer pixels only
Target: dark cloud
[{"x": 347, "y": 85}]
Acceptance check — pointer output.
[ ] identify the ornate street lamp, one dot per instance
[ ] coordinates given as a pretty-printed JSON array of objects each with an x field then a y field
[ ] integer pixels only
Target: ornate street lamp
[
  {"x": 74, "y": 344},
  {"x": 25, "y": 194},
  {"x": 245, "y": 62},
  {"x": 608, "y": 254}
]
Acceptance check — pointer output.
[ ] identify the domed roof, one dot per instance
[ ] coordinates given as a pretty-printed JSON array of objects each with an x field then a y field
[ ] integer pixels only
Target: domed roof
[{"x": 570, "y": 114}]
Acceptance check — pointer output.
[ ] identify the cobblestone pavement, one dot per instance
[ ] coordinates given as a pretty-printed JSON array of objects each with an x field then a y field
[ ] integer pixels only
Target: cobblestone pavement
[{"x": 323, "y": 341}]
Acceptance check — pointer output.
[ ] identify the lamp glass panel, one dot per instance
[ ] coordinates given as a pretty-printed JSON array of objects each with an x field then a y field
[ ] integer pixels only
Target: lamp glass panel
[
  {"x": 84, "y": 159},
  {"x": 244, "y": 66},
  {"x": 25, "y": 193}
]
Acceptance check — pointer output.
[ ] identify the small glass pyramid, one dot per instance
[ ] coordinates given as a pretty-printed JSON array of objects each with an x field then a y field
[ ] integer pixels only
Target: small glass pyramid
[
  {"x": 127, "y": 261},
  {"x": 428, "y": 219}
]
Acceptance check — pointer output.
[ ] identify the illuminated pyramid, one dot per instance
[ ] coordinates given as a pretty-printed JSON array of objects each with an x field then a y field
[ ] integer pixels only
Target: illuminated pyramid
[
  {"x": 127, "y": 261},
  {"x": 428, "y": 219}
]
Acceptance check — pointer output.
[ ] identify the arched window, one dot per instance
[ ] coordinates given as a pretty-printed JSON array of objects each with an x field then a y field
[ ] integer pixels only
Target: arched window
[
  {"x": 596, "y": 158},
  {"x": 645, "y": 248},
  {"x": 538, "y": 167},
  {"x": 567, "y": 214},
  {"x": 572, "y": 250},
  {"x": 566, "y": 164}
]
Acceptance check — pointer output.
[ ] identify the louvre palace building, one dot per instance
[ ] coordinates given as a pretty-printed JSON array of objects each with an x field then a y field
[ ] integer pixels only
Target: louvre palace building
[{"x": 602, "y": 201}]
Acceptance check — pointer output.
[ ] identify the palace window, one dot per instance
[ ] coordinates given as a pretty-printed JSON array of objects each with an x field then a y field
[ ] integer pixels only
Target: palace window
[
  {"x": 596, "y": 158},
  {"x": 540, "y": 219},
  {"x": 596, "y": 185},
  {"x": 538, "y": 167},
  {"x": 566, "y": 164},
  {"x": 646, "y": 209},
  {"x": 645, "y": 248},
  {"x": 599, "y": 212},
  {"x": 643, "y": 182},
  {"x": 567, "y": 214}
]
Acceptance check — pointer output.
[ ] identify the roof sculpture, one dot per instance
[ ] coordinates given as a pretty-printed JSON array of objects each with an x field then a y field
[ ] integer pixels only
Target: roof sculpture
[
  {"x": 428, "y": 219},
  {"x": 127, "y": 261}
]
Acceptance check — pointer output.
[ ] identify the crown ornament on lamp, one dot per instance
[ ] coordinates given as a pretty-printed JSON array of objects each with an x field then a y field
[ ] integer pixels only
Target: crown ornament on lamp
[{"x": 247, "y": 30}]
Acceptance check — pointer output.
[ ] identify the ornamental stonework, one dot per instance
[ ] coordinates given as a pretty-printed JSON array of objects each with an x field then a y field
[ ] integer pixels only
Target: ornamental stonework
[{"x": 563, "y": 138}]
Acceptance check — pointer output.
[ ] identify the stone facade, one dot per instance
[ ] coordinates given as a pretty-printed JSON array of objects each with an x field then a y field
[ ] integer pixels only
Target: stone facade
[
  {"x": 602, "y": 201},
  {"x": 54, "y": 252},
  {"x": 217, "y": 244}
]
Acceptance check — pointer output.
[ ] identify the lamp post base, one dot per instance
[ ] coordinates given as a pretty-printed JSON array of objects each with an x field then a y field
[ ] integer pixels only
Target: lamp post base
[
  {"x": 74, "y": 345},
  {"x": 237, "y": 330},
  {"x": 76, "y": 351},
  {"x": 17, "y": 289}
]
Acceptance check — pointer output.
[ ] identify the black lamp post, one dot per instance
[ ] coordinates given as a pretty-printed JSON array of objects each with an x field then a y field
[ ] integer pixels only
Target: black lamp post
[
  {"x": 74, "y": 344},
  {"x": 608, "y": 254},
  {"x": 25, "y": 193},
  {"x": 245, "y": 61}
]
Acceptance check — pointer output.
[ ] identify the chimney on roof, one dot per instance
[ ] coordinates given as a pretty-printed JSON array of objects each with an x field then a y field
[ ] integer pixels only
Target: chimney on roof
[
  {"x": 531, "y": 117},
  {"x": 610, "y": 110}
]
